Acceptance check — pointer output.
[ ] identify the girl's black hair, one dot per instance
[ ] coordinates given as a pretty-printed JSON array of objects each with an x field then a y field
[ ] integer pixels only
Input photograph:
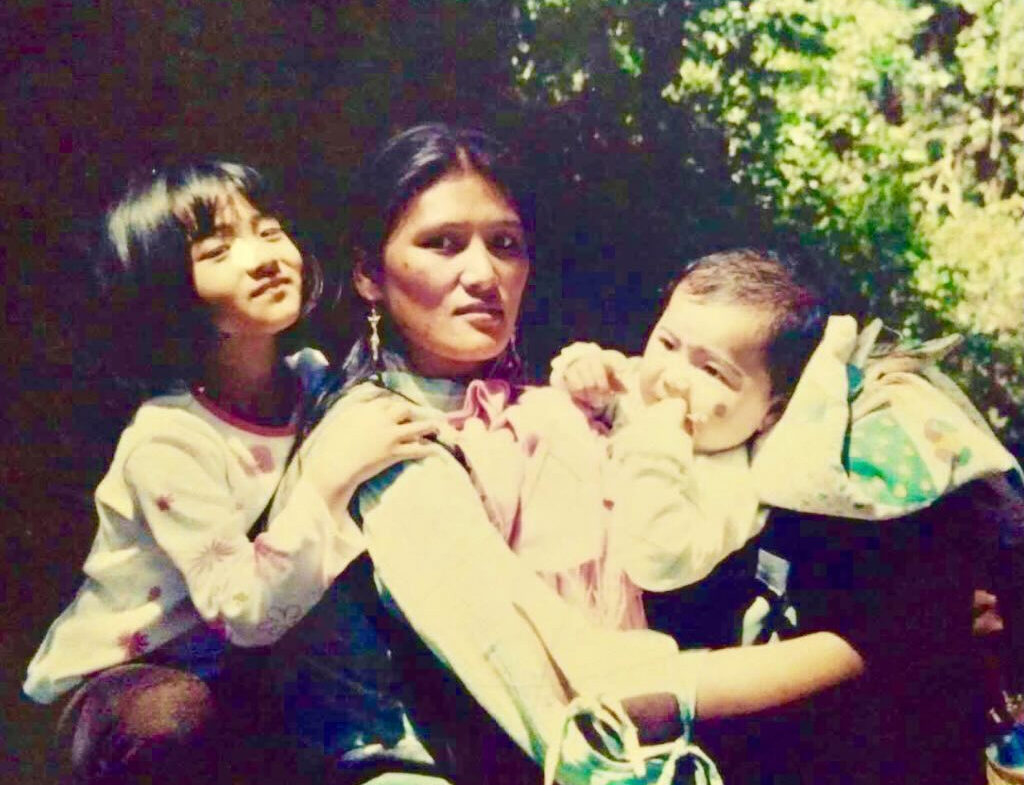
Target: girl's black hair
[{"x": 159, "y": 330}]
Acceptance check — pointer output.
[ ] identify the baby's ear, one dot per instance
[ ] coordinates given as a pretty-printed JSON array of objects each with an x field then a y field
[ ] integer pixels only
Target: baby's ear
[
  {"x": 363, "y": 279},
  {"x": 775, "y": 409}
]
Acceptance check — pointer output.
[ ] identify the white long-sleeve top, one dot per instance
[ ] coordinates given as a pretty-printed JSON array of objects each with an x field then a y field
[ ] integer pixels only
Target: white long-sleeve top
[
  {"x": 172, "y": 553},
  {"x": 676, "y": 514}
]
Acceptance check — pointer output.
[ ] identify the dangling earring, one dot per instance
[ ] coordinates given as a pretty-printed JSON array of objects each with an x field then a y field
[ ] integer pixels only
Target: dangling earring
[
  {"x": 513, "y": 361},
  {"x": 373, "y": 319}
]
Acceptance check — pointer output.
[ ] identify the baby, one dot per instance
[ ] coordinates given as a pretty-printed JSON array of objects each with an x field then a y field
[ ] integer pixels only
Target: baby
[
  {"x": 717, "y": 370},
  {"x": 745, "y": 398}
]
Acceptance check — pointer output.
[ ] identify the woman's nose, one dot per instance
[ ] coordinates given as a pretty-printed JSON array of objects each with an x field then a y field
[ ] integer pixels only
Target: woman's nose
[{"x": 478, "y": 266}]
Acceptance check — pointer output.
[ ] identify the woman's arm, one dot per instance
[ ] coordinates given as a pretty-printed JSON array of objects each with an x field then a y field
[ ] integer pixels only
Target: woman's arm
[
  {"x": 750, "y": 679},
  {"x": 747, "y": 680}
]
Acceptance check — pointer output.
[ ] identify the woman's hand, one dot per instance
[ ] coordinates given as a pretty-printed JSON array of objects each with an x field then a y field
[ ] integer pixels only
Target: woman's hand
[{"x": 375, "y": 431}]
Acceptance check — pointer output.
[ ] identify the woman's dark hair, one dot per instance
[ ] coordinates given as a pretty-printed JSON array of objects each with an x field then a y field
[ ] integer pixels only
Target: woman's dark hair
[
  {"x": 382, "y": 189},
  {"x": 767, "y": 280},
  {"x": 412, "y": 161},
  {"x": 159, "y": 328}
]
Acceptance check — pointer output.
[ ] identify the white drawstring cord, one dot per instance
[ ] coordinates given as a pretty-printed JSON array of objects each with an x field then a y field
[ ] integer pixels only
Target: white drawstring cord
[{"x": 623, "y": 744}]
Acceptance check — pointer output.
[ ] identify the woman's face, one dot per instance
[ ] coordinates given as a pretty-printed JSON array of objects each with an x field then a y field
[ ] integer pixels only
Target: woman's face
[{"x": 452, "y": 276}]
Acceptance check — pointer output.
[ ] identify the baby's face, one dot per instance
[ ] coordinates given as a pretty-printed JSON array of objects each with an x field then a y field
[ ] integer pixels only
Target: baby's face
[{"x": 716, "y": 351}]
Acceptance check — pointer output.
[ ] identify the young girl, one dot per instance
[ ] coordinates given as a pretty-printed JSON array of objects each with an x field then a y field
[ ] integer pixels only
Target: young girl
[{"x": 207, "y": 279}]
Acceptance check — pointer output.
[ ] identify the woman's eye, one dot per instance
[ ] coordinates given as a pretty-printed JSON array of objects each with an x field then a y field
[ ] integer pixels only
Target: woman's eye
[
  {"x": 444, "y": 243},
  {"x": 507, "y": 243}
]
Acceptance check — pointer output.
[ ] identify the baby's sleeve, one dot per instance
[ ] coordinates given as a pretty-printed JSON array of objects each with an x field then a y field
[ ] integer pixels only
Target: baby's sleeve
[{"x": 676, "y": 515}]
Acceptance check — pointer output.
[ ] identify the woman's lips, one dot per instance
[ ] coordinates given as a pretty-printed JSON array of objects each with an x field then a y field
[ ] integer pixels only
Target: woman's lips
[{"x": 482, "y": 312}]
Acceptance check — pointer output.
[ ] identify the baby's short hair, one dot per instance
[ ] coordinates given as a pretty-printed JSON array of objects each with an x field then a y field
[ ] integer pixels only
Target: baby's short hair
[{"x": 764, "y": 280}]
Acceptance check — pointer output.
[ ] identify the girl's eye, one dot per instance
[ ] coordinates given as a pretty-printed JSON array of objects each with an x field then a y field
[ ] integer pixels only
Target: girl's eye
[
  {"x": 213, "y": 251},
  {"x": 271, "y": 230},
  {"x": 716, "y": 373}
]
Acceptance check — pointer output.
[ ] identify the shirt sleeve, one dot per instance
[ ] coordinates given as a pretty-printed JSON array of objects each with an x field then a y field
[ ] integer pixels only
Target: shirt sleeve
[
  {"x": 676, "y": 515},
  {"x": 255, "y": 590}
]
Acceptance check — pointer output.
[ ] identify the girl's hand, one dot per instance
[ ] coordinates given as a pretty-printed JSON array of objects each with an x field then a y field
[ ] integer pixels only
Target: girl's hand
[
  {"x": 594, "y": 379},
  {"x": 375, "y": 431}
]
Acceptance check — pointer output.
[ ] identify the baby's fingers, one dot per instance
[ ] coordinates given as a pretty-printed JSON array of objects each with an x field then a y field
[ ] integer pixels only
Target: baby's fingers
[{"x": 580, "y": 378}]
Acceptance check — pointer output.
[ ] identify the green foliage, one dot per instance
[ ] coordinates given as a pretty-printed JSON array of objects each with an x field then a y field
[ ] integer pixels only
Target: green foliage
[{"x": 888, "y": 135}]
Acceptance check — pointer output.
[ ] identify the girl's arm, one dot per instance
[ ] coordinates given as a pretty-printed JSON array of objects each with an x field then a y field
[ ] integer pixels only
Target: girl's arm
[
  {"x": 672, "y": 524},
  {"x": 254, "y": 590},
  {"x": 258, "y": 589}
]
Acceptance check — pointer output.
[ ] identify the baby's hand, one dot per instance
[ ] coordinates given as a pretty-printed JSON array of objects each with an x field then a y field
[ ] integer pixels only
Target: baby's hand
[
  {"x": 375, "y": 431},
  {"x": 661, "y": 384},
  {"x": 593, "y": 378},
  {"x": 657, "y": 381}
]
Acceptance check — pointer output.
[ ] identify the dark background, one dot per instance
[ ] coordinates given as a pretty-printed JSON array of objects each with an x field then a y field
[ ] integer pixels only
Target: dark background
[{"x": 92, "y": 92}]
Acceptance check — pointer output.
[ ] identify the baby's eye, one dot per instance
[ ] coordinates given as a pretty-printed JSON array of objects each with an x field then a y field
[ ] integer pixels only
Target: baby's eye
[
  {"x": 667, "y": 342},
  {"x": 716, "y": 373}
]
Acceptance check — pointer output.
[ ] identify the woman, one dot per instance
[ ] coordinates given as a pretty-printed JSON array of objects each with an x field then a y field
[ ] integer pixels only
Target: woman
[{"x": 442, "y": 241}]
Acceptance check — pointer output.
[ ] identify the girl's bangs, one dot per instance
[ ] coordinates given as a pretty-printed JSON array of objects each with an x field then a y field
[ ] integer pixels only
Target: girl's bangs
[{"x": 204, "y": 194}]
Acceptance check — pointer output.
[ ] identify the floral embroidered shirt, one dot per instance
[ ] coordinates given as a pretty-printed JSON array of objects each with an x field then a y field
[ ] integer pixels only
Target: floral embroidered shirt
[{"x": 172, "y": 558}]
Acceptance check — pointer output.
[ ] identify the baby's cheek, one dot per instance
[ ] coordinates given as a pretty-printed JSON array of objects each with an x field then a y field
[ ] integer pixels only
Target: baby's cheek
[{"x": 707, "y": 398}]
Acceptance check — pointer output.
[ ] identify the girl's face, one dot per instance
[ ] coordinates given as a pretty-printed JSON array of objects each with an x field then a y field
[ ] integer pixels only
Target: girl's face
[
  {"x": 714, "y": 354},
  {"x": 248, "y": 271},
  {"x": 452, "y": 276}
]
